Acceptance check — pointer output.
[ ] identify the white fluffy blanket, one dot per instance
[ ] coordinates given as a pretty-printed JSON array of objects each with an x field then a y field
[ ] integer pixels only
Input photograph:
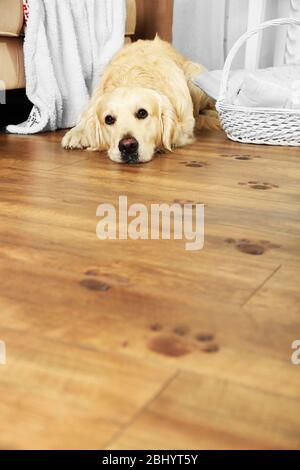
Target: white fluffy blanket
[{"x": 67, "y": 45}]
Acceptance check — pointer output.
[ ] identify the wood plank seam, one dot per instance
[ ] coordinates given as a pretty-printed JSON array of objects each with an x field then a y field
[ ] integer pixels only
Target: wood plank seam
[
  {"x": 258, "y": 288},
  {"x": 235, "y": 381},
  {"x": 123, "y": 429}
]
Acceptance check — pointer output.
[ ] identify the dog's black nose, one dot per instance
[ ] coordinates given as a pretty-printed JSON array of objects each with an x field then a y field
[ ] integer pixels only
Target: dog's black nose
[{"x": 128, "y": 148}]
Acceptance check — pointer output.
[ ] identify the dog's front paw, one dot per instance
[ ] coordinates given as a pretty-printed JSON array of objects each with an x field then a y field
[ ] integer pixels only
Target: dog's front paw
[{"x": 75, "y": 139}]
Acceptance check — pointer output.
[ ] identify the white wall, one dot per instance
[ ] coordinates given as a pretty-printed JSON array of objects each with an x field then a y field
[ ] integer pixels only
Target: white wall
[{"x": 202, "y": 33}]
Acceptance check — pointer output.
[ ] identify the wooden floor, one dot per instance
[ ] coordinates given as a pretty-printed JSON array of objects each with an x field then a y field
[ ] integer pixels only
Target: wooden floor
[{"x": 142, "y": 344}]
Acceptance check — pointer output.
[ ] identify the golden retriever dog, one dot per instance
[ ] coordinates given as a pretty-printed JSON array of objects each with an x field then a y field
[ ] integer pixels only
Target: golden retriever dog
[{"x": 145, "y": 102}]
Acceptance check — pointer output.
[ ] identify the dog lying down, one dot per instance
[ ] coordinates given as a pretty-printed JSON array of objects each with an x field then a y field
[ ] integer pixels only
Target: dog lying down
[{"x": 145, "y": 102}]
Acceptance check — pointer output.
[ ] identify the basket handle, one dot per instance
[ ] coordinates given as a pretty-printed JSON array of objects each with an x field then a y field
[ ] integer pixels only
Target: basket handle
[{"x": 241, "y": 41}]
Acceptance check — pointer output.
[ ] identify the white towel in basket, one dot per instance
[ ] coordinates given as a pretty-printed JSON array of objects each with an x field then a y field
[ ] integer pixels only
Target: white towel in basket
[
  {"x": 258, "y": 92},
  {"x": 275, "y": 87},
  {"x": 67, "y": 45}
]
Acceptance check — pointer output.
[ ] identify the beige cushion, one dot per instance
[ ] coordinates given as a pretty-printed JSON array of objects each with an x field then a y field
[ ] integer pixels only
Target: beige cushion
[
  {"x": 131, "y": 17},
  {"x": 12, "y": 63},
  {"x": 11, "y": 17}
]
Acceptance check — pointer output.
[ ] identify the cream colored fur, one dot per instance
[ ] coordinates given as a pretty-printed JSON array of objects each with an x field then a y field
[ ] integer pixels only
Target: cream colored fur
[{"x": 149, "y": 75}]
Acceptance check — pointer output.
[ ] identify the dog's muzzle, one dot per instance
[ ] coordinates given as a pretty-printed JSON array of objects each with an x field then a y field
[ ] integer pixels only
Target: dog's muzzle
[{"x": 129, "y": 147}]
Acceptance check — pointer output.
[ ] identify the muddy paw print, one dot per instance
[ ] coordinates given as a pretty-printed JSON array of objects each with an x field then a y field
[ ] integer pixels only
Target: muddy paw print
[
  {"x": 240, "y": 157},
  {"x": 179, "y": 341},
  {"x": 94, "y": 284},
  {"x": 259, "y": 185},
  {"x": 105, "y": 277},
  {"x": 96, "y": 280},
  {"x": 194, "y": 164},
  {"x": 251, "y": 247}
]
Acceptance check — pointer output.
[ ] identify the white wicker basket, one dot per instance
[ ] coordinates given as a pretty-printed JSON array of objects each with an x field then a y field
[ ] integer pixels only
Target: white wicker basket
[{"x": 271, "y": 126}]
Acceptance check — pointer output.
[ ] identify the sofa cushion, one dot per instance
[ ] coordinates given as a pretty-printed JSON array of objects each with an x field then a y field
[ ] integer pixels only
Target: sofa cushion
[
  {"x": 131, "y": 17},
  {"x": 11, "y": 17},
  {"x": 12, "y": 74}
]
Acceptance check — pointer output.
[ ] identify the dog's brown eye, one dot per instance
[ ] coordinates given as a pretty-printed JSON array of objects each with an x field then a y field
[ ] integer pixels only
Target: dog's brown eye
[
  {"x": 141, "y": 114},
  {"x": 109, "y": 120}
]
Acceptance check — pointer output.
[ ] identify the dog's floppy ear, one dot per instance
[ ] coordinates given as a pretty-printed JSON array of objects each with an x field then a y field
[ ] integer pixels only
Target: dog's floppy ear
[
  {"x": 93, "y": 126},
  {"x": 168, "y": 121}
]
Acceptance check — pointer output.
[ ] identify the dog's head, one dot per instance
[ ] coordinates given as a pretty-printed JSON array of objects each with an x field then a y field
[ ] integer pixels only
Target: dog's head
[{"x": 133, "y": 123}]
